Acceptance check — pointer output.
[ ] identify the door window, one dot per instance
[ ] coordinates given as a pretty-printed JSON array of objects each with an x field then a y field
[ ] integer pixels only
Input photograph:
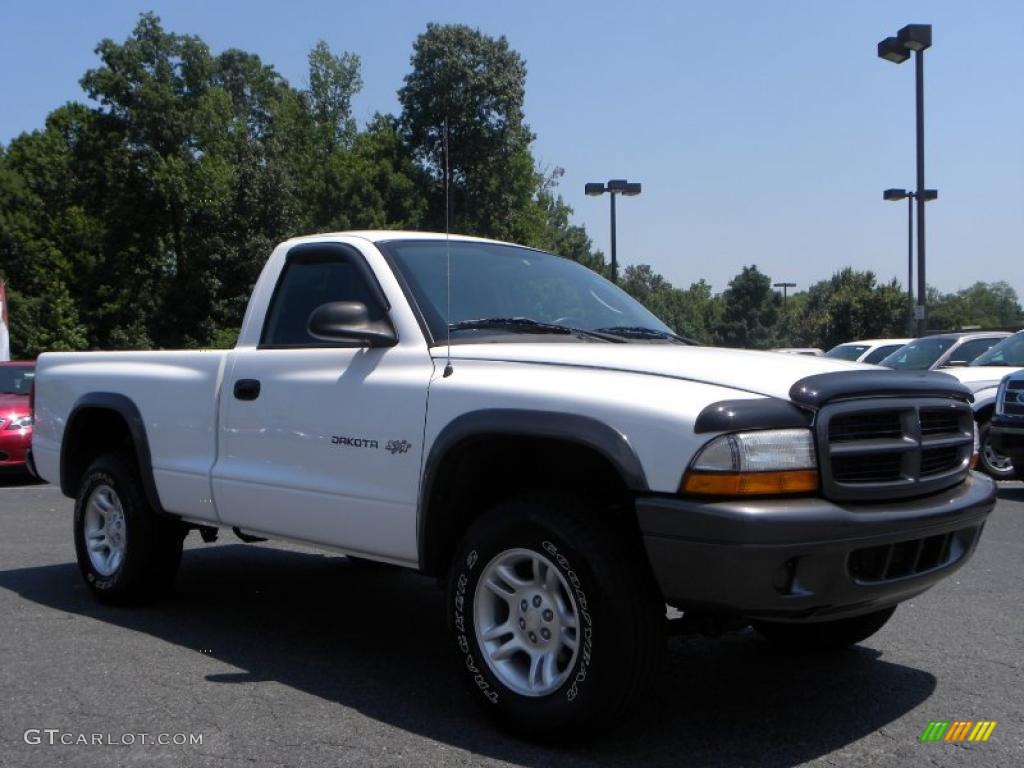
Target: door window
[
  {"x": 969, "y": 350},
  {"x": 308, "y": 280}
]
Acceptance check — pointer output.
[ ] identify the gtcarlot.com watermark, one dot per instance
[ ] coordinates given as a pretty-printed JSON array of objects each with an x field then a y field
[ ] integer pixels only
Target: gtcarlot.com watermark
[{"x": 57, "y": 737}]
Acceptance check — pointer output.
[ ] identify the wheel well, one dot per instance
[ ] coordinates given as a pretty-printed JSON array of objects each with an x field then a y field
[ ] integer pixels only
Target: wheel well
[
  {"x": 478, "y": 472},
  {"x": 984, "y": 414},
  {"x": 92, "y": 433}
]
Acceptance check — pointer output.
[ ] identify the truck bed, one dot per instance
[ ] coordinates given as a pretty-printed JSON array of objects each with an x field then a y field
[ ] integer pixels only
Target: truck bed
[{"x": 177, "y": 394}]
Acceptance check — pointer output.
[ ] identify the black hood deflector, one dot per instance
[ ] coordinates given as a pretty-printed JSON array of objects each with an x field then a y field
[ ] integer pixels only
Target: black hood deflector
[{"x": 822, "y": 388}]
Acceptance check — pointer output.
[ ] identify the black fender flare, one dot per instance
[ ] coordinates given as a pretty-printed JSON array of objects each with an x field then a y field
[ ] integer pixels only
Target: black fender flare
[
  {"x": 125, "y": 407},
  {"x": 512, "y": 422}
]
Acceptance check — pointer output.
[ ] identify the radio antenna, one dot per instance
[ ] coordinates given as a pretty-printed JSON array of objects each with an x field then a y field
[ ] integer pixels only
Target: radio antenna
[{"x": 447, "y": 253}]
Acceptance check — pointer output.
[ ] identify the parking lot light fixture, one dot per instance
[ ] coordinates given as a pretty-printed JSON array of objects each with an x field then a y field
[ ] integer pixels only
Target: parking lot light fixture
[
  {"x": 785, "y": 288},
  {"x": 892, "y": 50},
  {"x": 916, "y": 39},
  {"x": 614, "y": 187},
  {"x": 895, "y": 195}
]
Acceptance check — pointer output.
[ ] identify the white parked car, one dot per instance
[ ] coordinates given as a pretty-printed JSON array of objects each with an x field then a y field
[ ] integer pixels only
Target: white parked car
[
  {"x": 536, "y": 439},
  {"x": 867, "y": 351}
]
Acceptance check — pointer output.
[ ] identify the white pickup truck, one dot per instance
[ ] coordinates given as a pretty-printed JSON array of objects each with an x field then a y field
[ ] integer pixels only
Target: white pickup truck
[{"x": 512, "y": 423}]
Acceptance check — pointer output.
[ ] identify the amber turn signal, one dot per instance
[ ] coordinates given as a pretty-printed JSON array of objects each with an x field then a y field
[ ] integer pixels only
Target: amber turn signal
[{"x": 750, "y": 483}]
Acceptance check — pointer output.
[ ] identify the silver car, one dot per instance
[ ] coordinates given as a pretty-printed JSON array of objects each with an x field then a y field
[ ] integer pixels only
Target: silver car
[{"x": 943, "y": 350}]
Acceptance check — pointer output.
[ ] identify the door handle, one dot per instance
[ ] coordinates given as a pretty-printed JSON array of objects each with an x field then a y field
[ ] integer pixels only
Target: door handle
[{"x": 247, "y": 389}]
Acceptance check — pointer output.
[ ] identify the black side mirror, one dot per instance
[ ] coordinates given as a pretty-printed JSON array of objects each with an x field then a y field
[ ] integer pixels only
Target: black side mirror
[{"x": 350, "y": 321}]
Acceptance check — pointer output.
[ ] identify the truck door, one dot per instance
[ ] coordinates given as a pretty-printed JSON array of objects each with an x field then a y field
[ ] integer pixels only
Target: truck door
[{"x": 322, "y": 441}]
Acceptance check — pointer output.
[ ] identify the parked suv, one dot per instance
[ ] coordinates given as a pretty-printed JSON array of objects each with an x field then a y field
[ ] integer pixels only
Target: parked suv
[
  {"x": 1007, "y": 428},
  {"x": 983, "y": 377},
  {"x": 944, "y": 350}
]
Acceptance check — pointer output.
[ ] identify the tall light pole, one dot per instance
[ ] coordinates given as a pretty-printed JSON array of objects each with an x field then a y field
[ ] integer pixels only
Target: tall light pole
[
  {"x": 894, "y": 195},
  {"x": 914, "y": 38},
  {"x": 785, "y": 287},
  {"x": 613, "y": 187}
]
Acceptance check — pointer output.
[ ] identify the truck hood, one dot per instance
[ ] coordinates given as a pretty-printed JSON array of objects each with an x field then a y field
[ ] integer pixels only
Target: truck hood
[
  {"x": 764, "y": 373},
  {"x": 979, "y": 377}
]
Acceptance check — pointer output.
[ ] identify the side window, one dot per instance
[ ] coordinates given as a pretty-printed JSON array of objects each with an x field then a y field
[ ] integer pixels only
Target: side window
[
  {"x": 969, "y": 350},
  {"x": 878, "y": 355},
  {"x": 308, "y": 280}
]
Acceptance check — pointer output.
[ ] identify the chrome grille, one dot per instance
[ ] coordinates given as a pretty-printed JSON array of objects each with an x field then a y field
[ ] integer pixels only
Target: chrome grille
[
  {"x": 893, "y": 448},
  {"x": 867, "y": 468},
  {"x": 936, "y": 422},
  {"x": 864, "y": 426},
  {"x": 1013, "y": 398}
]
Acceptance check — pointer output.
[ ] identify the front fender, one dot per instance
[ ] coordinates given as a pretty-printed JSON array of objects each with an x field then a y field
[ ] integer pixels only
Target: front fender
[{"x": 984, "y": 398}]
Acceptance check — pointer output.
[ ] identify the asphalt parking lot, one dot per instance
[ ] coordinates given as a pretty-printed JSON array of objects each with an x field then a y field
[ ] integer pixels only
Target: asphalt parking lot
[{"x": 287, "y": 657}]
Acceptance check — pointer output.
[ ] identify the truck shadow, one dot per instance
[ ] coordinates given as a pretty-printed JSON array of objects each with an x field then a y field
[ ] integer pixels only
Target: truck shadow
[
  {"x": 374, "y": 640},
  {"x": 18, "y": 479}
]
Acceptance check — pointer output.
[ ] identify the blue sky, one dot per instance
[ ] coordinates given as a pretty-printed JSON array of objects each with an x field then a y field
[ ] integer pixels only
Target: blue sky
[{"x": 763, "y": 132}]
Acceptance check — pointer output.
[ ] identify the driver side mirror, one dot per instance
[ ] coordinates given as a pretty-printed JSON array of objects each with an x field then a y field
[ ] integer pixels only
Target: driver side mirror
[{"x": 349, "y": 321}]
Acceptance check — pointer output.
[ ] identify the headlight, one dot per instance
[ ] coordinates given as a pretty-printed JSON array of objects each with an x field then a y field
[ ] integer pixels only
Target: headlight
[
  {"x": 770, "y": 461},
  {"x": 1001, "y": 396},
  {"x": 22, "y": 422}
]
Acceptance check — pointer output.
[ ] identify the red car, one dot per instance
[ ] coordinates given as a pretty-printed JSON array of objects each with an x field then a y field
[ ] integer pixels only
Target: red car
[{"x": 15, "y": 418}]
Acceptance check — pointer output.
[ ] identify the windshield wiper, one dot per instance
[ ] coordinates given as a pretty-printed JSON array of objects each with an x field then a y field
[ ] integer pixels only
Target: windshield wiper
[
  {"x": 639, "y": 332},
  {"x": 526, "y": 325}
]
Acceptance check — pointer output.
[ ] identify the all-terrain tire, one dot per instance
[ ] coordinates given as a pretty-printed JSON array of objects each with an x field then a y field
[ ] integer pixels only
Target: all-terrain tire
[
  {"x": 995, "y": 463},
  {"x": 148, "y": 545},
  {"x": 594, "y": 564}
]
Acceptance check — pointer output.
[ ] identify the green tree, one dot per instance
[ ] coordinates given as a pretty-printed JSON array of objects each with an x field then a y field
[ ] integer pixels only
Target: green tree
[
  {"x": 333, "y": 81},
  {"x": 750, "y": 311},
  {"x": 985, "y": 305},
  {"x": 474, "y": 84},
  {"x": 852, "y": 305}
]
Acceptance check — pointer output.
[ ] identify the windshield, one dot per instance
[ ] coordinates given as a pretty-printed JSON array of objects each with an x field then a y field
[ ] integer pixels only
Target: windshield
[
  {"x": 847, "y": 351},
  {"x": 515, "y": 285},
  {"x": 918, "y": 355},
  {"x": 1009, "y": 352},
  {"x": 16, "y": 379}
]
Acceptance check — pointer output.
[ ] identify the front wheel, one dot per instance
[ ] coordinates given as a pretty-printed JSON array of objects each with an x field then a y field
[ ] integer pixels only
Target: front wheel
[
  {"x": 824, "y": 635},
  {"x": 126, "y": 553},
  {"x": 556, "y": 620},
  {"x": 995, "y": 463}
]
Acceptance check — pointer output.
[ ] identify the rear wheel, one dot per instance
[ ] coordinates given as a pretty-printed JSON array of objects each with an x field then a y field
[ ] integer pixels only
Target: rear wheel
[
  {"x": 824, "y": 635},
  {"x": 994, "y": 462},
  {"x": 556, "y": 620},
  {"x": 126, "y": 552}
]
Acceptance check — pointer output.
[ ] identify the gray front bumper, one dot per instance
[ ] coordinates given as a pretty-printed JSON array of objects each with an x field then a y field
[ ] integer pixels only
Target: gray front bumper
[{"x": 808, "y": 558}]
